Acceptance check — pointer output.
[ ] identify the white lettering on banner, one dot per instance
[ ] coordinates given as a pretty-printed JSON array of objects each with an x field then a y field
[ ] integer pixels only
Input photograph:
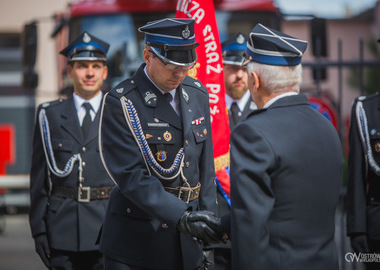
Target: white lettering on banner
[
  {"x": 198, "y": 15},
  {"x": 211, "y": 47},
  {"x": 214, "y": 89}
]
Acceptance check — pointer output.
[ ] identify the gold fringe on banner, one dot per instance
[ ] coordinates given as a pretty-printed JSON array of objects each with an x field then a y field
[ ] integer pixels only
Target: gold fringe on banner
[{"x": 222, "y": 161}]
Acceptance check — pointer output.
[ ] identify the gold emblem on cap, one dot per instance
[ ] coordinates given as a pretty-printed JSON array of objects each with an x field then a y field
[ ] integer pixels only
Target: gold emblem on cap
[
  {"x": 186, "y": 32},
  {"x": 86, "y": 38},
  {"x": 167, "y": 136},
  {"x": 377, "y": 147}
]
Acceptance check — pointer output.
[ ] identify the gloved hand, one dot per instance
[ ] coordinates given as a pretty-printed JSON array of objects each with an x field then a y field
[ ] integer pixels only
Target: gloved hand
[
  {"x": 203, "y": 225},
  {"x": 42, "y": 248},
  {"x": 208, "y": 259},
  {"x": 359, "y": 243}
]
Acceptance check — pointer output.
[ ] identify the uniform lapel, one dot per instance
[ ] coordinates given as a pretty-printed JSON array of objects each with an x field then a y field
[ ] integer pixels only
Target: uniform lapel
[
  {"x": 153, "y": 98},
  {"x": 70, "y": 122},
  {"x": 187, "y": 111},
  {"x": 165, "y": 112}
]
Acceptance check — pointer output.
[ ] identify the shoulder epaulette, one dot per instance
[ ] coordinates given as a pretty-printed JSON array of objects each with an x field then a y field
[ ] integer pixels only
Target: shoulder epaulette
[
  {"x": 122, "y": 88},
  {"x": 52, "y": 103},
  {"x": 189, "y": 81},
  {"x": 368, "y": 97}
]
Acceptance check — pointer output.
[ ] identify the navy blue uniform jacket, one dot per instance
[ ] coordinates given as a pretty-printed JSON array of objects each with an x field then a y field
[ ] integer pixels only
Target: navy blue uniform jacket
[
  {"x": 70, "y": 225},
  {"x": 363, "y": 186},
  {"x": 140, "y": 228},
  {"x": 286, "y": 173}
]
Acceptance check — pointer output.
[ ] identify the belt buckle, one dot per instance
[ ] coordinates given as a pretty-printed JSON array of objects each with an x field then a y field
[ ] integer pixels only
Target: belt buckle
[
  {"x": 184, "y": 189},
  {"x": 85, "y": 198}
]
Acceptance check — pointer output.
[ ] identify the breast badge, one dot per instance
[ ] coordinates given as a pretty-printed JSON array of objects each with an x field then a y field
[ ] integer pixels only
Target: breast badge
[
  {"x": 167, "y": 136},
  {"x": 161, "y": 156}
]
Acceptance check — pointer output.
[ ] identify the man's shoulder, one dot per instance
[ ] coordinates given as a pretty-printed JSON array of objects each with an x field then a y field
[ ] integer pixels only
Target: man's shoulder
[
  {"x": 123, "y": 88},
  {"x": 52, "y": 104},
  {"x": 368, "y": 98},
  {"x": 190, "y": 82}
]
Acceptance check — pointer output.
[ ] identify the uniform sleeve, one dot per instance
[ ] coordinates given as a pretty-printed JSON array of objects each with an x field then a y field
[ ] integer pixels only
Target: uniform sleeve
[
  {"x": 126, "y": 166},
  {"x": 38, "y": 183},
  {"x": 356, "y": 185},
  {"x": 207, "y": 198},
  {"x": 252, "y": 198}
]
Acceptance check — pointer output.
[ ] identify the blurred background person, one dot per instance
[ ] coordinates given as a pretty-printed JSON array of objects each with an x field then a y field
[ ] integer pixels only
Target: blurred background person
[
  {"x": 69, "y": 187},
  {"x": 238, "y": 100},
  {"x": 363, "y": 186}
]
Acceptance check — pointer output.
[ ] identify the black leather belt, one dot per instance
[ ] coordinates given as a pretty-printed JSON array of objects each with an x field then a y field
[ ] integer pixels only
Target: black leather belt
[
  {"x": 186, "y": 194},
  {"x": 84, "y": 194}
]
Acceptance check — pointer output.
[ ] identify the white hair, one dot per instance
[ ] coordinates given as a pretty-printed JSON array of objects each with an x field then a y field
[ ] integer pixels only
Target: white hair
[{"x": 277, "y": 79}]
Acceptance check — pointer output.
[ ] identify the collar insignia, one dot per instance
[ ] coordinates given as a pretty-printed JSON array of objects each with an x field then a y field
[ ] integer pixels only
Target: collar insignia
[{"x": 185, "y": 95}]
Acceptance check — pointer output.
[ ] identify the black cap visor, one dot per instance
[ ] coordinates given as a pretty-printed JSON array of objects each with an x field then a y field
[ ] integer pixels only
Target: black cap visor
[
  {"x": 182, "y": 57},
  {"x": 83, "y": 54}
]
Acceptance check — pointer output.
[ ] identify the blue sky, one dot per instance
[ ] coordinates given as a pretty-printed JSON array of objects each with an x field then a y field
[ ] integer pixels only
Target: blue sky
[{"x": 324, "y": 8}]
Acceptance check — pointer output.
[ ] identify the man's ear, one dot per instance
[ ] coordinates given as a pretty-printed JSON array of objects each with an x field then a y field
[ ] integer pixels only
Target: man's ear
[
  {"x": 69, "y": 69},
  {"x": 256, "y": 81}
]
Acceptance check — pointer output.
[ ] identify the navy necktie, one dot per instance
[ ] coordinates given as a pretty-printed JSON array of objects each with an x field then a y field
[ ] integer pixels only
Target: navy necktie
[
  {"x": 87, "y": 119},
  {"x": 235, "y": 113}
]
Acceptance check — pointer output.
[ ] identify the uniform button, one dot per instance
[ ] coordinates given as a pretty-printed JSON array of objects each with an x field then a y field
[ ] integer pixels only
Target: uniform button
[
  {"x": 372, "y": 199},
  {"x": 164, "y": 225},
  {"x": 129, "y": 210},
  {"x": 84, "y": 149},
  {"x": 132, "y": 81},
  {"x": 60, "y": 145},
  {"x": 186, "y": 142},
  {"x": 84, "y": 164},
  {"x": 187, "y": 164}
]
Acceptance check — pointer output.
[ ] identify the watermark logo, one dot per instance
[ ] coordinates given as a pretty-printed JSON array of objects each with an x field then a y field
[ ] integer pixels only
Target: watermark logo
[{"x": 362, "y": 257}]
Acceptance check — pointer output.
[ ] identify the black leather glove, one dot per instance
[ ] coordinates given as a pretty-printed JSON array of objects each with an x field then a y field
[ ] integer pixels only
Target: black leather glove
[
  {"x": 203, "y": 225},
  {"x": 42, "y": 248},
  {"x": 208, "y": 259},
  {"x": 359, "y": 243}
]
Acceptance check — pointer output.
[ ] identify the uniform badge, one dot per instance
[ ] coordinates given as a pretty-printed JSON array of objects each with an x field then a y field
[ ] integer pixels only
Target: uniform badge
[
  {"x": 150, "y": 97},
  {"x": 167, "y": 136},
  {"x": 205, "y": 132},
  {"x": 161, "y": 156},
  {"x": 186, "y": 32},
  {"x": 119, "y": 90},
  {"x": 197, "y": 84},
  {"x": 86, "y": 38},
  {"x": 373, "y": 131},
  {"x": 185, "y": 95},
  {"x": 197, "y": 121},
  {"x": 148, "y": 136},
  {"x": 377, "y": 147}
]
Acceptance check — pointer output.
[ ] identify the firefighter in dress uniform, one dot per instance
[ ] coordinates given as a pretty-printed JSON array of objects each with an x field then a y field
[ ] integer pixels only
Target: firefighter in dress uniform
[
  {"x": 157, "y": 146},
  {"x": 69, "y": 187},
  {"x": 239, "y": 104},
  {"x": 363, "y": 186}
]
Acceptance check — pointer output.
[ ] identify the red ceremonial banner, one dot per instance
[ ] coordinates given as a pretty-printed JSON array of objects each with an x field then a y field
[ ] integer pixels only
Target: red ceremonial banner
[{"x": 209, "y": 71}]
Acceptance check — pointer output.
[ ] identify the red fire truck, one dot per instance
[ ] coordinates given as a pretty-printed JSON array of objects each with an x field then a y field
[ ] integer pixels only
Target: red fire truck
[{"x": 117, "y": 21}]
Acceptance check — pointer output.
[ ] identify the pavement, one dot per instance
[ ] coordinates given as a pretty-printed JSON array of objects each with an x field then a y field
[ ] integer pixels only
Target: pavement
[{"x": 17, "y": 245}]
